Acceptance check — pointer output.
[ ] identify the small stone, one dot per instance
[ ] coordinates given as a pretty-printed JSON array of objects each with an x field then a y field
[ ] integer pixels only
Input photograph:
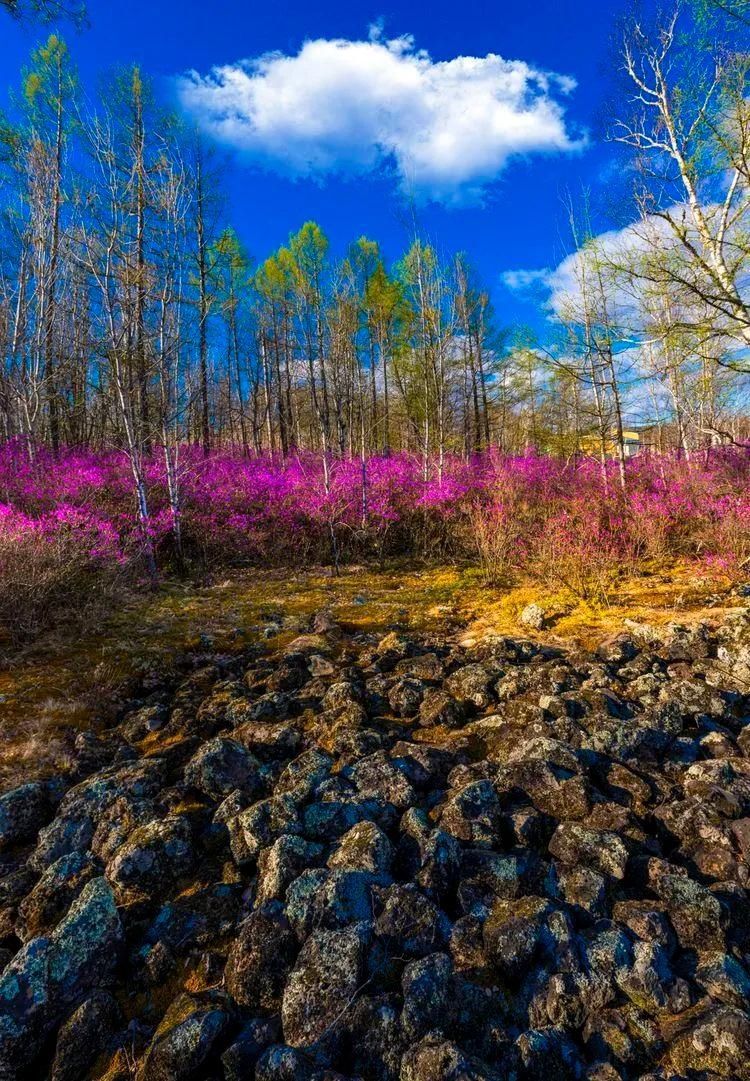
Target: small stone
[{"x": 533, "y": 616}]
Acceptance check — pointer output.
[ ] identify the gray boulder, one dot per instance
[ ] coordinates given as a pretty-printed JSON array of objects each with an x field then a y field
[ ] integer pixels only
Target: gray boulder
[
  {"x": 49, "y": 975},
  {"x": 323, "y": 985}
]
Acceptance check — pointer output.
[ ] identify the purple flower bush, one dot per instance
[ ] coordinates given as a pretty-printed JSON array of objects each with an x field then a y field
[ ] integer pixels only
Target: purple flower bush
[{"x": 557, "y": 521}]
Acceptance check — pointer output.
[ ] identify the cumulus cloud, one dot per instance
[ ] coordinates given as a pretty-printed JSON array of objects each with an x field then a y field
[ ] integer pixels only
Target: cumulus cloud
[
  {"x": 618, "y": 252},
  {"x": 446, "y": 128},
  {"x": 623, "y": 276}
]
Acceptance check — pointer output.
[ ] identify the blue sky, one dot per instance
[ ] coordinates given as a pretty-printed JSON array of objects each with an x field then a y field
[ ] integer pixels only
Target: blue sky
[{"x": 503, "y": 209}]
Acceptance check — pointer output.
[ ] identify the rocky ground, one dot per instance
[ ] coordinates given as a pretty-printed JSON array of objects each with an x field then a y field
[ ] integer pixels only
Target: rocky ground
[{"x": 394, "y": 860}]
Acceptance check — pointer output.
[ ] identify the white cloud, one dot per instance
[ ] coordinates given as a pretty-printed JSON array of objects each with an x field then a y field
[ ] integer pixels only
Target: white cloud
[
  {"x": 617, "y": 255},
  {"x": 521, "y": 281},
  {"x": 447, "y": 128},
  {"x": 636, "y": 277}
]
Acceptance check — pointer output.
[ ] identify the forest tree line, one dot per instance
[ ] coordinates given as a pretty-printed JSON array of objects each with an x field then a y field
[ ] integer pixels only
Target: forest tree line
[{"x": 132, "y": 315}]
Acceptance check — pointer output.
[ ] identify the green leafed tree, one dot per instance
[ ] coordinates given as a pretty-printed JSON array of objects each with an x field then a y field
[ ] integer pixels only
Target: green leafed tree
[{"x": 45, "y": 10}]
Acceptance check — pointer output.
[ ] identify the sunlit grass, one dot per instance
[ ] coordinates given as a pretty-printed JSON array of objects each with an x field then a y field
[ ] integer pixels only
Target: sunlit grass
[{"x": 60, "y": 684}]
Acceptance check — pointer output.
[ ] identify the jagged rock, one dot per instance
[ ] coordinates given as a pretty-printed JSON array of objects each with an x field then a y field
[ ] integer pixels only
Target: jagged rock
[
  {"x": 550, "y": 1053},
  {"x": 285, "y": 1064},
  {"x": 303, "y": 775},
  {"x": 222, "y": 766},
  {"x": 117, "y": 821},
  {"x": 380, "y": 777},
  {"x": 324, "y": 898},
  {"x": 433, "y": 856},
  {"x": 55, "y": 891},
  {"x": 583, "y": 888},
  {"x": 151, "y": 859},
  {"x": 394, "y": 647},
  {"x": 646, "y": 920},
  {"x": 405, "y": 697},
  {"x": 427, "y": 668},
  {"x": 719, "y": 1042},
  {"x": 364, "y": 848},
  {"x": 376, "y": 1037},
  {"x": 470, "y": 685},
  {"x": 290, "y": 675},
  {"x": 723, "y": 979},
  {"x": 49, "y": 975},
  {"x": 72, "y": 828},
  {"x": 342, "y": 694},
  {"x": 183, "y": 1041},
  {"x": 604, "y": 851},
  {"x": 323, "y": 985},
  {"x": 426, "y": 987},
  {"x": 260, "y": 825},
  {"x": 260, "y": 959},
  {"x": 514, "y": 932},
  {"x": 84, "y": 1035},
  {"x": 440, "y": 708},
  {"x": 473, "y": 814},
  {"x": 650, "y": 982},
  {"x": 23, "y": 812},
  {"x": 240, "y": 1058},
  {"x": 696, "y": 913},
  {"x": 437, "y": 1059},
  {"x": 410, "y": 925},
  {"x": 280, "y": 864}
]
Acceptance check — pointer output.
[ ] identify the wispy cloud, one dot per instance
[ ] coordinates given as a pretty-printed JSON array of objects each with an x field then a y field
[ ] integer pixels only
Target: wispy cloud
[
  {"x": 446, "y": 129},
  {"x": 522, "y": 281}
]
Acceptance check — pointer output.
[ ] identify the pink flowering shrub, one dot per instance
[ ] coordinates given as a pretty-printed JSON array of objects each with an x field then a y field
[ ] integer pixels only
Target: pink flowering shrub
[
  {"x": 727, "y": 536},
  {"x": 584, "y": 548},
  {"x": 54, "y": 568},
  {"x": 69, "y": 521}
]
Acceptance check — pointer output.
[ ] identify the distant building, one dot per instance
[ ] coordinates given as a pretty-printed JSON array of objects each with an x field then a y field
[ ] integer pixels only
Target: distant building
[{"x": 633, "y": 441}]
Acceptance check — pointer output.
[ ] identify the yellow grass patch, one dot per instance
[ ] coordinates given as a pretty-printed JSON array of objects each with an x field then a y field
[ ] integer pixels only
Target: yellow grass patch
[{"x": 62, "y": 683}]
